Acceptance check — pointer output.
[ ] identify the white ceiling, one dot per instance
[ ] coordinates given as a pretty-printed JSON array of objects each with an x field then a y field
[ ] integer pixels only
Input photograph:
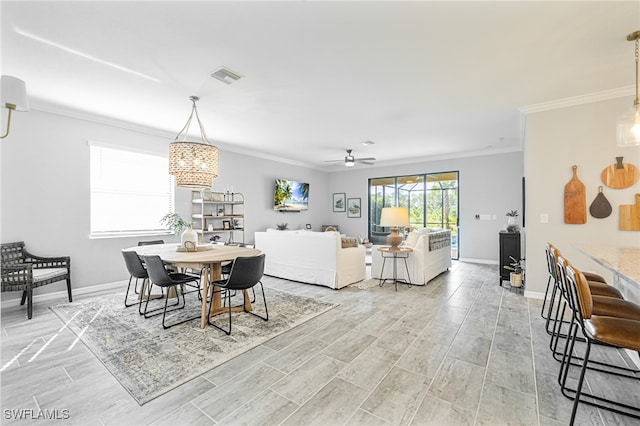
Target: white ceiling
[{"x": 420, "y": 79}]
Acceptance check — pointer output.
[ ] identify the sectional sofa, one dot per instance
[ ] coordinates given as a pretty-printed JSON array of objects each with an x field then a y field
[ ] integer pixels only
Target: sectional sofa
[
  {"x": 431, "y": 256},
  {"x": 311, "y": 257}
]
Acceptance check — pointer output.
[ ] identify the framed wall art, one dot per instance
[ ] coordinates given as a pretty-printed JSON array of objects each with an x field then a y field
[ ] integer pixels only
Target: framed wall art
[
  {"x": 353, "y": 207},
  {"x": 339, "y": 202}
]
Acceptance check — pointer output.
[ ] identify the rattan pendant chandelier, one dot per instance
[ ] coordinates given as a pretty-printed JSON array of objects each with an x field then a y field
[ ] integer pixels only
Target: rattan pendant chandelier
[{"x": 194, "y": 164}]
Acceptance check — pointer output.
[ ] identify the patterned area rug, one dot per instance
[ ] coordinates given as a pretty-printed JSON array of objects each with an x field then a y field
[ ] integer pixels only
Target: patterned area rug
[
  {"x": 363, "y": 285},
  {"x": 149, "y": 361}
]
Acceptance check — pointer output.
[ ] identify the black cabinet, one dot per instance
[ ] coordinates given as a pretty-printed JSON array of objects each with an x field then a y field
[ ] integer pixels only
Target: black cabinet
[{"x": 509, "y": 246}]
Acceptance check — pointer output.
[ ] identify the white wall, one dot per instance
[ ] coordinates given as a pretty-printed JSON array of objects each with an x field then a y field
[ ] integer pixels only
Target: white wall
[
  {"x": 489, "y": 184},
  {"x": 583, "y": 135},
  {"x": 45, "y": 192},
  {"x": 255, "y": 177}
]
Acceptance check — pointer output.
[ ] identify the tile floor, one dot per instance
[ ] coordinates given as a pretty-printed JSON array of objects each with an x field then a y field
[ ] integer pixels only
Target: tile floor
[{"x": 459, "y": 351}]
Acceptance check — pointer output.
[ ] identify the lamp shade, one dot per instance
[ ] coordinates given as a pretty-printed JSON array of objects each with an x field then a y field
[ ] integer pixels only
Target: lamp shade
[
  {"x": 394, "y": 217},
  {"x": 14, "y": 93},
  {"x": 628, "y": 128},
  {"x": 194, "y": 164}
]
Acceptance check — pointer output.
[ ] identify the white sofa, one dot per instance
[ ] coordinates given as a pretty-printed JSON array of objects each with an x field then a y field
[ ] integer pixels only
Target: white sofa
[
  {"x": 311, "y": 257},
  {"x": 431, "y": 256}
]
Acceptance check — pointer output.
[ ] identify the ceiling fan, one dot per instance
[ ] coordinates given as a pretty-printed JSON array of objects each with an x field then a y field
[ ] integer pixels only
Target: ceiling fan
[{"x": 350, "y": 160}]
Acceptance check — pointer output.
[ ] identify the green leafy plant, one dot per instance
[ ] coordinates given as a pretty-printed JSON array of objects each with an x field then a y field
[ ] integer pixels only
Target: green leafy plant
[
  {"x": 282, "y": 226},
  {"x": 174, "y": 222},
  {"x": 513, "y": 228},
  {"x": 512, "y": 213},
  {"x": 515, "y": 266}
]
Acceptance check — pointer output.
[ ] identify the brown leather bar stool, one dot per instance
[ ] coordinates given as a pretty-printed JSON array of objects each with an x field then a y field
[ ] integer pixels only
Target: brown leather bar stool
[
  {"x": 616, "y": 332},
  {"x": 557, "y": 303},
  {"x": 602, "y": 305}
]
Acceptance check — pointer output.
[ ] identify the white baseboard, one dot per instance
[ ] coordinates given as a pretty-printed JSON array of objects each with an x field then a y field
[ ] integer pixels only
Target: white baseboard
[
  {"x": 483, "y": 261},
  {"x": 534, "y": 294},
  {"x": 63, "y": 293}
]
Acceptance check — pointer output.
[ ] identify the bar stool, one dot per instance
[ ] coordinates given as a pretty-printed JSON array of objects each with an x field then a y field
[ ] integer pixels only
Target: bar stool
[
  {"x": 611, "y": 331},
  {"x": 597, "y": 284},
  {"x": 602, "y": 306}
]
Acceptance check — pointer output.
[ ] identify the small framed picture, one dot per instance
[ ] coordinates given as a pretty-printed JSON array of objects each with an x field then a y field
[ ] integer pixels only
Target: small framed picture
[
  {"x": 226, "y": 224},
  {"x": 308, "y": 226},
  {"x": 353, "y": 207},
  {"x": 339, "y": 204}
]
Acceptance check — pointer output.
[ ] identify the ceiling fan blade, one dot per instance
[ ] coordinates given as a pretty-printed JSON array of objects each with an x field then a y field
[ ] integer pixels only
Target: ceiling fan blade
[
  {"x": 368, "y": 163},
  {"x": 365, "y": 159},
  {"x": 333, "y": 161}
]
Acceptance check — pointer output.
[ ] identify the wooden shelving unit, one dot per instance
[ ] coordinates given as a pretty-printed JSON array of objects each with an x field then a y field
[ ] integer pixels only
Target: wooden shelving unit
[{"x": 210, "y": 215}]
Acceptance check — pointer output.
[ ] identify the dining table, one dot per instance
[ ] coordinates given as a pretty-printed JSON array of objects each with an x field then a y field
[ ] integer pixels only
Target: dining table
[{"x": 207, "y": 258}]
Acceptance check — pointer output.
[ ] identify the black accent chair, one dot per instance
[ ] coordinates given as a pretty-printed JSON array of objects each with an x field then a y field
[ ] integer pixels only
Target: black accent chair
[
  {"x": 24, "y": 271},
  {"x": 159, "y": 276},
  {"x": 246, "y": 272}
]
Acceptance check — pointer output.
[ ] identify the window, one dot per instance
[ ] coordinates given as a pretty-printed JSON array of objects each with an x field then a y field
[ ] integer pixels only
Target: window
[
  {"x": 432, "y": 200},
  {"x": 130, "y": 191}
]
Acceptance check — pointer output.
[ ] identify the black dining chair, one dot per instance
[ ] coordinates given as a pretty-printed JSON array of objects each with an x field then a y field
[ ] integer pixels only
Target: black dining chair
[
  {"x": 159, "y": 276},
  {"x": 149, "y": 243},
  {"x": 136, "y": 270},
  {"x": 245, "y": 273}
]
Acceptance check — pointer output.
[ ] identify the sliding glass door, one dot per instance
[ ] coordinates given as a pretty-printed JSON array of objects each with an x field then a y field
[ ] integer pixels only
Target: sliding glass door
[{"x": 432, "y": 200}]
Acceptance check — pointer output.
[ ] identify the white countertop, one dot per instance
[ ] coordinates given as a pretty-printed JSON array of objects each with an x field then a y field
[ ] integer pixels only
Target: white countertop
[{"x": 622, "y": 260}]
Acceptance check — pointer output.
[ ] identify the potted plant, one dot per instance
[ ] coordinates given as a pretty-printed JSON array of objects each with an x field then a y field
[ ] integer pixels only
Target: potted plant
[
  {"x": 511, "y": 221},
  {"x": 174, "y": 222},
  {"x": 515, "y": 277}
]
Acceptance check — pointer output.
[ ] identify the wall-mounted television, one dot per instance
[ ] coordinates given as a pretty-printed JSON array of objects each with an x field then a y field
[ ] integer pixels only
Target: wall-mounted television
[{"x": 290, "y": 196}]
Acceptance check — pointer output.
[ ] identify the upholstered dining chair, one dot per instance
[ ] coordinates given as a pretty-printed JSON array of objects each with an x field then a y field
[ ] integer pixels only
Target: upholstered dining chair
[
  {"x": 246, "y": 272},
  {"x": 23, "y": 271},
  {"x": 149, "y": 243},
  {"x": 136, "y": 270},
  {"x": 159, "y": 276}
]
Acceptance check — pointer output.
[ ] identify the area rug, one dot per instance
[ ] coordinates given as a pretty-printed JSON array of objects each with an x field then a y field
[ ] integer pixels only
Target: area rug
[
  {"x": 149, "y": 361},
  {"x": 365, "y": 284}
]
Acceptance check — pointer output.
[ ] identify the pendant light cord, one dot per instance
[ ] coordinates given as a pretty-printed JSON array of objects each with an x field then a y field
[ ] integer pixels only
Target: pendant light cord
[
  {"x": 185, "y": 129},
  {"x": 636, "y": 102}
]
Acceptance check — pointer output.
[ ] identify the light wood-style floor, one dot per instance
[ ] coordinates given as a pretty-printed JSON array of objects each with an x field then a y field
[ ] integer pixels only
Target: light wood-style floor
[{"x": 459, "y": 351}]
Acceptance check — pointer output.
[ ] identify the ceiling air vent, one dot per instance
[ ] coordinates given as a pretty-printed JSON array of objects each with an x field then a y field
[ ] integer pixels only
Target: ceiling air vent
[{"x": 225, "y": 75}]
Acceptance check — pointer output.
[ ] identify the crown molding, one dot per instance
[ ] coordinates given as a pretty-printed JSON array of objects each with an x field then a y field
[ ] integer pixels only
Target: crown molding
[
  {"x": 578, "y": 100},
  {"x": 52, "y": 108}
]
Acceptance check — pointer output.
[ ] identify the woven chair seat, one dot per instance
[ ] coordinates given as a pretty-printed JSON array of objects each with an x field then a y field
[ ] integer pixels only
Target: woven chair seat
[{"x": 39, "y": 275}]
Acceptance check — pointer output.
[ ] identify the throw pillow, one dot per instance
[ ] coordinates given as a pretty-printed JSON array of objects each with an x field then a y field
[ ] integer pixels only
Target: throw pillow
[
  {"x": 412, "y": 239},
  {"x": 349, "y": 242}
]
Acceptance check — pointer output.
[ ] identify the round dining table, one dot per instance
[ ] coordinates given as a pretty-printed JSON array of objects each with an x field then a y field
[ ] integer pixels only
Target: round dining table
[{"x": 209, "y": 259}]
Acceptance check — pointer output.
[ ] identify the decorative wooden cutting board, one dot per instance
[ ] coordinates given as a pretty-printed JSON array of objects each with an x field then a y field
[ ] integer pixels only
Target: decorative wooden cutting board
[
  {"x": 620, "y": 175},
  {"x": 600, "y": 207},
  {"x": 575, "y": 200},
  {"x": 630, "y": 216}
]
